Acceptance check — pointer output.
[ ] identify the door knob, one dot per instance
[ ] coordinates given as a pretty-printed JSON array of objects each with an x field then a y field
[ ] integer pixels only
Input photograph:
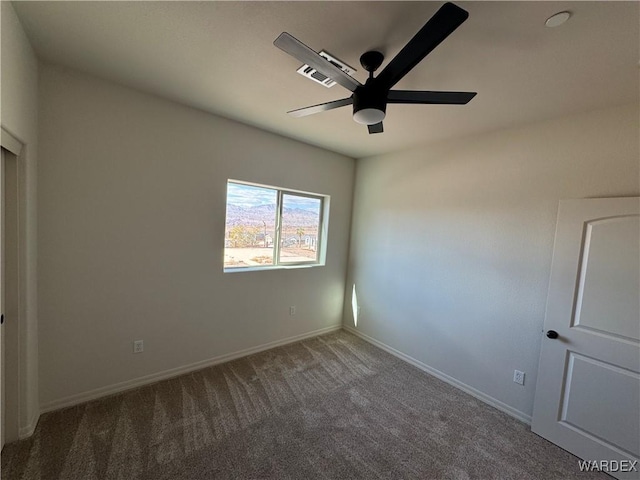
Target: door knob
[
  {"x": 552, "y": 334},
  {"x": 2, "y": 319}
]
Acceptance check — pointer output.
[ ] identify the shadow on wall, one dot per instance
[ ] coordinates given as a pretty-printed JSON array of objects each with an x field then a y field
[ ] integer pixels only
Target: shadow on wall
[{"x": 452, "y": 243}]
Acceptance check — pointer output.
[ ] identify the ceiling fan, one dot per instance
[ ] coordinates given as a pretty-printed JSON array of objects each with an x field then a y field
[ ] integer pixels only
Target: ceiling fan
[{"x": 370, "y": 100}]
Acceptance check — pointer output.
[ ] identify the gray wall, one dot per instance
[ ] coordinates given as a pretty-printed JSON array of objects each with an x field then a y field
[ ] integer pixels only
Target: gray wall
[
  {"x": 132, "y": 192},
  {"x": 452, "y": 243},
  {"x": 20, "y": 118}
]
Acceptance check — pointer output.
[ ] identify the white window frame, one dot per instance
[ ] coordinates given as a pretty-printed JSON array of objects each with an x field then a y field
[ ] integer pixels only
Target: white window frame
[{"x": 321, "y": 244}]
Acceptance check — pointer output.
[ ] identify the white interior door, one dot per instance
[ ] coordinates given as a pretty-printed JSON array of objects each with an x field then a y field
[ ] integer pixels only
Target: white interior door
[{"x": 588, "y": 390}]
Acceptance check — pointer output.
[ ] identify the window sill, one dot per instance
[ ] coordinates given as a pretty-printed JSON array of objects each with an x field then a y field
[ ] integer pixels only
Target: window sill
[{"x": 271, "y": 267}]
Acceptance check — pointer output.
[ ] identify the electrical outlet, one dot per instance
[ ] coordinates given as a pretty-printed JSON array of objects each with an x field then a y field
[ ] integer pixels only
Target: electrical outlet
[
  {"x": 138, "y": 346},
  {"x": 518, "y": 377},
  {"x": 292, "y": 310}
]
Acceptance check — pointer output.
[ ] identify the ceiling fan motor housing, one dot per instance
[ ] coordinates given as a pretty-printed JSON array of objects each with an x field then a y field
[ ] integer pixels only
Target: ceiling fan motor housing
[{"x": 369, "y": 104}]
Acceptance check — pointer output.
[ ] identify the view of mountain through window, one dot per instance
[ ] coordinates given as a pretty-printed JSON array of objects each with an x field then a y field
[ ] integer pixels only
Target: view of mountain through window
[
  {"x": 269, "y": 226},
  {"x": 300, "y": 222}
]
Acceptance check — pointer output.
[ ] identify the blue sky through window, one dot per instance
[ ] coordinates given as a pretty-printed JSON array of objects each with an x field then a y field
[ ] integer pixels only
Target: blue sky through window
[{"x": 247, "y": 196}]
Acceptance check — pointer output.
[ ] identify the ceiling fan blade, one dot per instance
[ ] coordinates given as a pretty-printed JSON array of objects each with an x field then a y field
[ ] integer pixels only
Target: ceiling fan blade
[
  {"x": 300, "y": 51},
  {"x": 376, "y": 128},
  {"x": 440, "y": 26},
  {"x": 322, "y": 107},
  {"x": 442, "y": 98}
]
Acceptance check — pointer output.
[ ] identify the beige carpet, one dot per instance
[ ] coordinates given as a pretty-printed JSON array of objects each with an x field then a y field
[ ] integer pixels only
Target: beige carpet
[{"x": 332, "y": 407}]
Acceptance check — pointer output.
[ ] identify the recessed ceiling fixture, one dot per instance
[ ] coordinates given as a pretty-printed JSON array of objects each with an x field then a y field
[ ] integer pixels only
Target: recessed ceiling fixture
[{"x": 557, "y": 19}]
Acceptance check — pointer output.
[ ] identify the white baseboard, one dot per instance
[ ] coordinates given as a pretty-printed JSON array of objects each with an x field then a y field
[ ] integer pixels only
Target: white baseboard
[
  {"x": 27, "y": 430},
  {"x": 523, "y": 417},
  {"x": 174, "y": 372}
]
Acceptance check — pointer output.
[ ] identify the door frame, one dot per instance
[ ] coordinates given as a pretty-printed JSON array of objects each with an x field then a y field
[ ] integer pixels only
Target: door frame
[{"x": 14, "y": 191}]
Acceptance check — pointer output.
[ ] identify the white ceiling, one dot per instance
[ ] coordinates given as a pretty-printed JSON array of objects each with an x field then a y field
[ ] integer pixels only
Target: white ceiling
[{"x": 219, "y": 57}]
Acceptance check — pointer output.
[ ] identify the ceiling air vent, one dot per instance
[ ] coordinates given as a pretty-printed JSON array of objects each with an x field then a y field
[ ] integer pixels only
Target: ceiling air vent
[{"x": 313, "y": 74}]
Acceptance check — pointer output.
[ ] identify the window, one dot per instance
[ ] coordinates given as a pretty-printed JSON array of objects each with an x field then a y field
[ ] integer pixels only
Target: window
[{"x": 273, "y": 227}]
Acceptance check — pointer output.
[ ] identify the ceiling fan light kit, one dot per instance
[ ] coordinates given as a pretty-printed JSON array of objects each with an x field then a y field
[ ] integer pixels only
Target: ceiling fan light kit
[
  {"x": 368, "y": 116},
  {"x": 370, "y": 100},
  {"x": 369, "y": 105}
]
